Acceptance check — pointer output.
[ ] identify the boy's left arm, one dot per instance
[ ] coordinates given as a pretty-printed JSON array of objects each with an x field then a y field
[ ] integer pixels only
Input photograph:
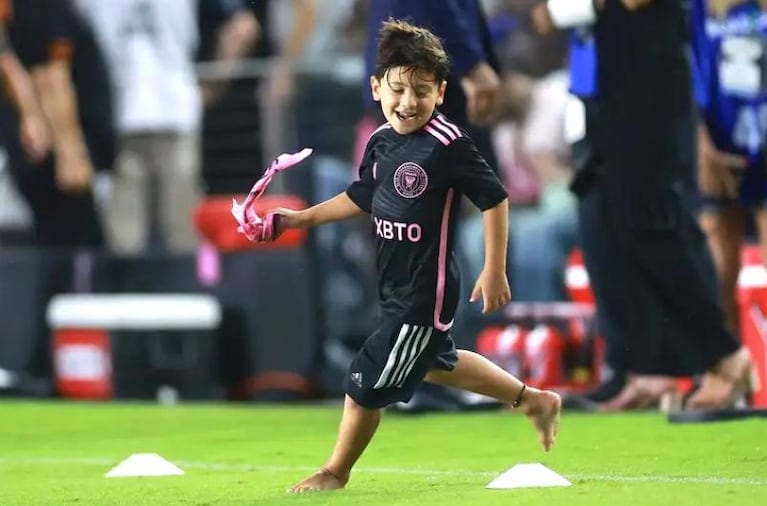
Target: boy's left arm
[
  {"x": 492, "y": 284},
  {"x": 472, "y": 176}
]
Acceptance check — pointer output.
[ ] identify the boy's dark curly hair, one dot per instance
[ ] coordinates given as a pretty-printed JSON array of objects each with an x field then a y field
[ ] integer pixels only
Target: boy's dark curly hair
[{"x": 402, "y": 44}]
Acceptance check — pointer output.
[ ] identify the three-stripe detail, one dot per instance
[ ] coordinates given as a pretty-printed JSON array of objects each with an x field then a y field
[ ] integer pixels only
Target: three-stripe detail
[
  {"x": 443, "y": 130},
  {"x": 411, "y": 341}
]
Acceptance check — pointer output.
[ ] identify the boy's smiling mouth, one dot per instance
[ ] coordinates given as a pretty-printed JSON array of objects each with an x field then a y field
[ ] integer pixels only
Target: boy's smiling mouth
[{"x": 406, "y": 116}]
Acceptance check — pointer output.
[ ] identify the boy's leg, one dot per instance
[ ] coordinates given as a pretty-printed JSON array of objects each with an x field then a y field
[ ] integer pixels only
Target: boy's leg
[
  {"x": 358, "y": 424},
  {"x": 475, "y": 373},
  {"x": 374, "y": 381}
]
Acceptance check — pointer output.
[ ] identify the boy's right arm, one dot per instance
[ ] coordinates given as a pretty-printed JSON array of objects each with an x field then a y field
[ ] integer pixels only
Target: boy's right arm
[
  {"x": 355, "y": 201},
  {"x": 338, "y": 208}
]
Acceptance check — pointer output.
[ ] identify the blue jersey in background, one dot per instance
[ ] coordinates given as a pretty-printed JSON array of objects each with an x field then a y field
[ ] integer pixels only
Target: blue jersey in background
[
  {"x": 730, "y": 76},
  {"x": 582, "y": 62}
]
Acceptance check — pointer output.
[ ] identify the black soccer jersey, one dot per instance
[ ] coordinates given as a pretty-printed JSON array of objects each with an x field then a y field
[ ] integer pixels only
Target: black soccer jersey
[{"x": 411, "y": 185}]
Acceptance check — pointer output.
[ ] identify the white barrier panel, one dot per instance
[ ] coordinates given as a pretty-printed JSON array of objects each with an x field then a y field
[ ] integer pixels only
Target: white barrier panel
[
  {"x": 752, "y": 276},
  {"x": 134, "y": 311}
]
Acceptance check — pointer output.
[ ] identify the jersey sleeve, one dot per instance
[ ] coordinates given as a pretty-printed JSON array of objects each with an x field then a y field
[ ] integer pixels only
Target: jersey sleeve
[
  {"x": 361, "y": 190},
  {"x": 471, "y": 175},
  {"x": 46, "y": 32}
]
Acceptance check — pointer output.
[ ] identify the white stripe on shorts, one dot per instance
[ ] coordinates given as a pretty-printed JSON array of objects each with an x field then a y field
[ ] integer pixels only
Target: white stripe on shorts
[
  {"x": 406, "y": 356},
  {"x": 386, "y": 375},
  {"x": 421, "y": 343},
  {"x": 411, "y": 342}
]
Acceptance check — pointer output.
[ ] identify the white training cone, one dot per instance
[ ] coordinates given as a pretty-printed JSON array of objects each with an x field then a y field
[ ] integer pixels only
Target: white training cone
[
  {"x": 144, "y": 464},
  {"x": 528, "y": 476}
]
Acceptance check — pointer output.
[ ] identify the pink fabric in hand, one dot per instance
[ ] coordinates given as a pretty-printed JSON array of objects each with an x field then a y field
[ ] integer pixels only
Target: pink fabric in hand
[{"x": 250, "y": 223}]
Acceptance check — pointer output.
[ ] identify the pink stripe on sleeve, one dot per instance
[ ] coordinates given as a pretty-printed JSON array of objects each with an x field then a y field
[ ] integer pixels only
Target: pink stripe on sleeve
[
  {"x": 437, "y": 134},
  {"x": 450, "y": 126},
  {"x": 443, "y": 129}
]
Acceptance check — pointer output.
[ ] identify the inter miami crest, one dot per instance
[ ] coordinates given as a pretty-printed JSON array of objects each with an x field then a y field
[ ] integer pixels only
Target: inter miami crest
[{"x": 410, "y": 180}]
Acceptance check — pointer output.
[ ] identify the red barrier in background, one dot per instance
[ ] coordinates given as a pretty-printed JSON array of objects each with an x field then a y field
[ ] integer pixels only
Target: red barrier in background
[
  {"x": 82, "y": 363},
  {"x": 752, "y": 300},
  {"x": 547, "y": 345},
  {"x": 215, "y": 223}
]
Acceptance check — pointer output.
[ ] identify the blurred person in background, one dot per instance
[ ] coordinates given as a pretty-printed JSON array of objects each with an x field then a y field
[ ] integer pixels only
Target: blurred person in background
[
  {"x": 543, "y": 234},
  {"x": 33, "y": 133},
  {"x": 300, "y": 29},
  {"x": 23, "y": 108},
  {"x": 532, "y": 153},
  {"x": 584, "y": 124},
  {"x": 71, "y": 84},
  {"x": 645, "y": 92},
  {"x": 581, "y": 126},
  {"x": 20, "y": 104},
  {"x": 532, "y": 161},
  {"x": 67, "y": 72},
  {"x": 150, "y": 46},
  {"x": 582, "y": 129},
  {"x": 518, "y": 44},
  {"x": 729, "y": 38}
]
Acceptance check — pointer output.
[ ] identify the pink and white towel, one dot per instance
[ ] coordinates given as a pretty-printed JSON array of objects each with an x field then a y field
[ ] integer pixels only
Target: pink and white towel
[{"x": 250, "y": 223}]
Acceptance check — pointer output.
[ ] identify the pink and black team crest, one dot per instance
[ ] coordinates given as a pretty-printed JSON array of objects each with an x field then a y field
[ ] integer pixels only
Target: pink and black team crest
[{"x": 410, "y": 180}]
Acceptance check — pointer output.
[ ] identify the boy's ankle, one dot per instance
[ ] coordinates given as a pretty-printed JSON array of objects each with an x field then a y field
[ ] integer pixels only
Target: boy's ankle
[
  {"x": 342, "y": 477},
  {"x": 529, "y": 401}
]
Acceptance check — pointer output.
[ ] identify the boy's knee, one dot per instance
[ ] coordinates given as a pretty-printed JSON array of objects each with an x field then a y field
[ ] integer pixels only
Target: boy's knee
[
  {"x": 365, "y": 396},
  {"x": 436, "y": 376},
  {"x": 351, "y": 403}
]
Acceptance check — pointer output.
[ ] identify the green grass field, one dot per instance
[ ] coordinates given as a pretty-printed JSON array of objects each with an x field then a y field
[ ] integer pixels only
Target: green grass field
[{"x": 58, "y": 453}]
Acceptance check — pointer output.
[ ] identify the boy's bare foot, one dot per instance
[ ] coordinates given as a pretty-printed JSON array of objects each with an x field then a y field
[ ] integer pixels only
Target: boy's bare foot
[
  {"x": 543, "y": 409},
  {"x": 320, "y": 480}
]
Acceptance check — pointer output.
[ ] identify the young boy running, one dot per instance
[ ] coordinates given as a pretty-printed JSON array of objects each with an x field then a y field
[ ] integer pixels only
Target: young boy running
[{"x": 415, "y": 169}]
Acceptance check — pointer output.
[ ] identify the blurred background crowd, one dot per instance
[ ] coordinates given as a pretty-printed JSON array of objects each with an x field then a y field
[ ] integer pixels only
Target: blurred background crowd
[
  {"x": 230, "y": 86},
  {"x": 124, "y": 120}
]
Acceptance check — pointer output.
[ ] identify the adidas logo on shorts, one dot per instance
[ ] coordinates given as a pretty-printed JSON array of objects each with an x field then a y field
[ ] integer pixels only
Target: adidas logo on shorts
[{"x": 357, "y": 378}]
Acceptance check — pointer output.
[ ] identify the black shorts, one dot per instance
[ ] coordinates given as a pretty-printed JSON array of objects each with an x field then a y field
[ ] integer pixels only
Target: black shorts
[{"x": 394, "y": 360}]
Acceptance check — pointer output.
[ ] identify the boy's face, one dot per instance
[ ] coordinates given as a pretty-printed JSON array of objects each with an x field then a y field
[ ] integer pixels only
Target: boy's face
[{"x": 408, "y": 97}]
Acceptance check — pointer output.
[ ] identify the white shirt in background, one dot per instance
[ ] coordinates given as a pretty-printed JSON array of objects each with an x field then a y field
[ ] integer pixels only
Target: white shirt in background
[{"x": 150, "y": 47}]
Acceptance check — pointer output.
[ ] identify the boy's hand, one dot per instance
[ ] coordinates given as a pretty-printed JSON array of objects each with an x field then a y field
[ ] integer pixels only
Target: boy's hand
[
  {"x": 494, "y": 289},
  {"x": 289, "y": 218},
  {"x": 279, "y": 220}
]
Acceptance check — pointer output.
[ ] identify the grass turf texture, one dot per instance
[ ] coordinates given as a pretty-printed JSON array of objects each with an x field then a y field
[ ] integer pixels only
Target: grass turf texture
[{"x": 58, "y": 453}]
